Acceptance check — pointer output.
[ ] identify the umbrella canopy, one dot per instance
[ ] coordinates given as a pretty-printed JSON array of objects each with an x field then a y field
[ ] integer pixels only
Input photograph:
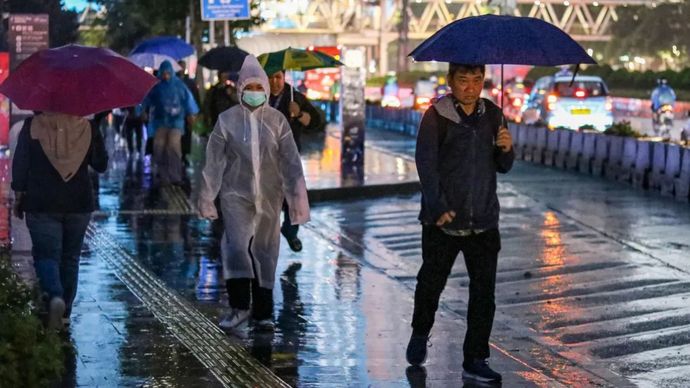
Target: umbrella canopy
[
  {"x": 225, "y": 58},
  {"x": 296, "y": 59},
  {"x": 167, "y": 45},
  {"x": 77, "y": 80},
  {"x": 493, "y": 39},
  {"x": 153, "y": 61}
]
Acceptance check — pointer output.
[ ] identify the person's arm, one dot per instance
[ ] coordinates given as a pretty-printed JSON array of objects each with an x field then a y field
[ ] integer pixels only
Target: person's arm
[
  {"x": 212, "y": 174},
  {"x": 143, "y": 108},
  {"x": 504, "y": 154},
  {"x": 309, "y": 116},
  {"x": 427, "y": 160},
  {"x": 294, "y": 185},
  {"x": 21, "y": 162},
  {"x": 98, "y": 155},
  {"x": 191, "y": 107}
]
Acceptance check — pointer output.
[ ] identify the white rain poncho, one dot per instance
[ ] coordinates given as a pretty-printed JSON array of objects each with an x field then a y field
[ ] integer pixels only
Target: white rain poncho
[{"x": 252, "y": 163}]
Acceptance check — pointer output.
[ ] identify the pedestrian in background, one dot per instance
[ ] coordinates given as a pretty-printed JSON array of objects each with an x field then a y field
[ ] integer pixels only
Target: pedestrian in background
[
  {"x": 194, "y": 89},
  {"x": 52, "y": 187},
  {"x": 133, "y": 128},
  {"x": 253, "y": 164},
  {"x": 221, "y": 97},
  {"x": 461, "y": 145},
  {"x": 167, "y": 106},
  {"x": 301, "y": 115}
]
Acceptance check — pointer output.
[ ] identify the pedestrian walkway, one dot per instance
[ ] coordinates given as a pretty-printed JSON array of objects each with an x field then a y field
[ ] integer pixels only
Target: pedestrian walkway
[
  {"x": 593, "y": 272},
  {"x": 569, "y": 288}
]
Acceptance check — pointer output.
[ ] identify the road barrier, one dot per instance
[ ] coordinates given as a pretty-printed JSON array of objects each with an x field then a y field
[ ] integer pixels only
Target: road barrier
[{"x": 643, "y": 163}]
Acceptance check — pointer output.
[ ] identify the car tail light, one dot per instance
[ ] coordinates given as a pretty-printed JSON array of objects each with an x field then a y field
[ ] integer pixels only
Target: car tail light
[
  {"x": 580, "y": 93},
  {"x": 609, "y": 104},
  {"x": 551, "y": 100}
]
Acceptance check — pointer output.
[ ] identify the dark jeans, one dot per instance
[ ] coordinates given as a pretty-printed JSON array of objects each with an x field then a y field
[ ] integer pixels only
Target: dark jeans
[
  {"x": 439, "y": 251},
  {"x": 287, "y": 229},
  {"x": 242, "y": 291},
  {"x": 132, "y": 129},
  {"x": 57, "y": 240}
]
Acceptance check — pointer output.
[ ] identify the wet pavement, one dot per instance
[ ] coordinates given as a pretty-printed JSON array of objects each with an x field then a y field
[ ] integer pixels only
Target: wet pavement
[{"x": 593, "y": 286}]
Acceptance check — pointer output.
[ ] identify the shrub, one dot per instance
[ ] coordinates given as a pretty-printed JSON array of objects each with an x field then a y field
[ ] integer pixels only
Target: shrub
[
  {"x": 622, "y": 128},
  {"x": 30, "y": 356}
]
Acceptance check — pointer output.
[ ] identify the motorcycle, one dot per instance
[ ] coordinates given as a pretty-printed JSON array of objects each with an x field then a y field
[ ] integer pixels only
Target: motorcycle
[{"x": 663, "y": 122}]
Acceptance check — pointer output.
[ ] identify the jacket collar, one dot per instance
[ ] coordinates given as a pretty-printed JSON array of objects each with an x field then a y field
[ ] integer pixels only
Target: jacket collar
[{"x": 447, "y": 106}]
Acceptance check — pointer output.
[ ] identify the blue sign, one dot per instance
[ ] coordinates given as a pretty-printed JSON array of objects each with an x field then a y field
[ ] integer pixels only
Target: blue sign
[{"x": 224, "y": 9}]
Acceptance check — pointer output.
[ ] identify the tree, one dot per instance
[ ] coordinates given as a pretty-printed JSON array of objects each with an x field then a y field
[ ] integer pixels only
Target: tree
[
  {"x": 653, "y": 32},
  {"x": 130, "y": 21}
]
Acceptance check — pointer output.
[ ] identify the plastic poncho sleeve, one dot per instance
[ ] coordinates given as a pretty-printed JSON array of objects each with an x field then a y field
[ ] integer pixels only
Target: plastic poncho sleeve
[
  {"x": 191, "y": 107},
  {"x": 294, "y": 185},
  {"x": 212, "y": 175}
]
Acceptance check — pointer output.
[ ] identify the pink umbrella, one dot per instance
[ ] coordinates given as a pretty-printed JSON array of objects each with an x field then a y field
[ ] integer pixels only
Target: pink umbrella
[{"x": 77, "y": 80}]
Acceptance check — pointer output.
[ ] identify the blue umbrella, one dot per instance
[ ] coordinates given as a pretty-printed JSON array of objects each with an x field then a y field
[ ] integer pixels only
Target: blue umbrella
[
  {"x": 493, "y": 39},
  {"x": 166, "y": 45}
]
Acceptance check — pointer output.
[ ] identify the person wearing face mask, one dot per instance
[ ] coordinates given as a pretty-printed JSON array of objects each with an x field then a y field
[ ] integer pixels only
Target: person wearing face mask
[{"x": 252, "y": 164}]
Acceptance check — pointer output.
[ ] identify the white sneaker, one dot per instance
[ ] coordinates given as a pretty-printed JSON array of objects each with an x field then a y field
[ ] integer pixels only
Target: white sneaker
[
  {"x": 56, "y": 309},
  {"x": 265, "y": 324},
  {"x": 234, "y": 318}
]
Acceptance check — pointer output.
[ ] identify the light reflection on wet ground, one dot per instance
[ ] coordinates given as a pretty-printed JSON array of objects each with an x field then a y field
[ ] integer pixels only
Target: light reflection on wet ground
[
  {"x": 593, "y": 271},
  {"x": 339, "y": 323},
  {"x": 569, "y": 296}
]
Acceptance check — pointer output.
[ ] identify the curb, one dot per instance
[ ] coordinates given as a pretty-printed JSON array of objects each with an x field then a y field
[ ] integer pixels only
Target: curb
[{"x": 363, "y": 192}]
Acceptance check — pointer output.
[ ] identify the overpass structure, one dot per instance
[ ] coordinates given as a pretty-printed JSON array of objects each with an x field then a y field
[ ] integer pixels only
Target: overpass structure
[{"x": 376, "y": 24}]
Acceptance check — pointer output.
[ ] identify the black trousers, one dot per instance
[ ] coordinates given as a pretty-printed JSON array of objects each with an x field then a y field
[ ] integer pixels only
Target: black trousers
[
  {"x": 244, "y": 291},
  {"x": 439, "y": 251},
  {"x": 133, "y": 129}
]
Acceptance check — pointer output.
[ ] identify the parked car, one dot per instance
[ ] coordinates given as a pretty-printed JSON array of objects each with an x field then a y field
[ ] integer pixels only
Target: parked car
[{"x": 560, "y": 101}]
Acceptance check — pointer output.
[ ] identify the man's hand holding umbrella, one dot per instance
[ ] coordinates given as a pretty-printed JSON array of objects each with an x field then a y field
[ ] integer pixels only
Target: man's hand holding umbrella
[{"x": 504, "y": 140}]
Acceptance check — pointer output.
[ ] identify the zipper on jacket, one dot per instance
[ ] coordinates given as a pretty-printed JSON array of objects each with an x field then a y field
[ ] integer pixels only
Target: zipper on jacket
[{"x": 474, "y": 174}]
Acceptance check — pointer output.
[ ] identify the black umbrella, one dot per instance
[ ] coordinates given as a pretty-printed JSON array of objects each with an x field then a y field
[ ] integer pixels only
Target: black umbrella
[{"x": 226, "y": 58}]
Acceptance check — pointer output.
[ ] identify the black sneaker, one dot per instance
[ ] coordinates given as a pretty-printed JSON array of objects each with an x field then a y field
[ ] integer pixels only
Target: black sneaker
[
  {"x": 416, "y": 349},
  {"x": 479, "y": 370}
]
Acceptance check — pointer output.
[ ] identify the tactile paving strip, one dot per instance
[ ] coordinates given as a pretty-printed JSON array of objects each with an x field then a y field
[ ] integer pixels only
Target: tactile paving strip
[{"x": 228, "y": 361}]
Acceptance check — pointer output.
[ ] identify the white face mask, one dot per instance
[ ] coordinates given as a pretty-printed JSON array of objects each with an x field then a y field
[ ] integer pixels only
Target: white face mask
[{"x": 254, "y": 98}]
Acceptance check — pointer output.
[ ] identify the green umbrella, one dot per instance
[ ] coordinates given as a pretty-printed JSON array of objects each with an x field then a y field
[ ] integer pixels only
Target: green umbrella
[{"x": 296, "y": 59}]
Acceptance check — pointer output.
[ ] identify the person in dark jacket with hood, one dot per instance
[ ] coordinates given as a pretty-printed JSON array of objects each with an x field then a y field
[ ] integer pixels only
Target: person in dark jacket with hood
[
  {"x": 50, "y": 178},
  {"x": 301, "y": 115},
  {"x": 462, "y": 143}
]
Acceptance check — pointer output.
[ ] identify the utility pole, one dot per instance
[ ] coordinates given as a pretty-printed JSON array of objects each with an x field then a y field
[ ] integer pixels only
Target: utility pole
[{"x": 404, "y": 30}]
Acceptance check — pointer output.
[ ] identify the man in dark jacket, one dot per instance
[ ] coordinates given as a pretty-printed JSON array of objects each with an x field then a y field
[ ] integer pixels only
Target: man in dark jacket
[
  {"x": 301, "y": 115},
  {"x": 221, "y": 97},
  {"x": 461, "y": 145}
]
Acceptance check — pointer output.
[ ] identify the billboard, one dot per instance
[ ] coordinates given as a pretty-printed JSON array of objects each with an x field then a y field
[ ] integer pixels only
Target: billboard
[
  {"x": 224, "y": 9},
  {"x": 4, "y": 101},
  {"x": 28, "y": 33}
]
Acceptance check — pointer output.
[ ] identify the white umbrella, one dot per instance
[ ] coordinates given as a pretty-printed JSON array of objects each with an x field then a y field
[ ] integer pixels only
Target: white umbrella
[{"x": 153, "y": 60}]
